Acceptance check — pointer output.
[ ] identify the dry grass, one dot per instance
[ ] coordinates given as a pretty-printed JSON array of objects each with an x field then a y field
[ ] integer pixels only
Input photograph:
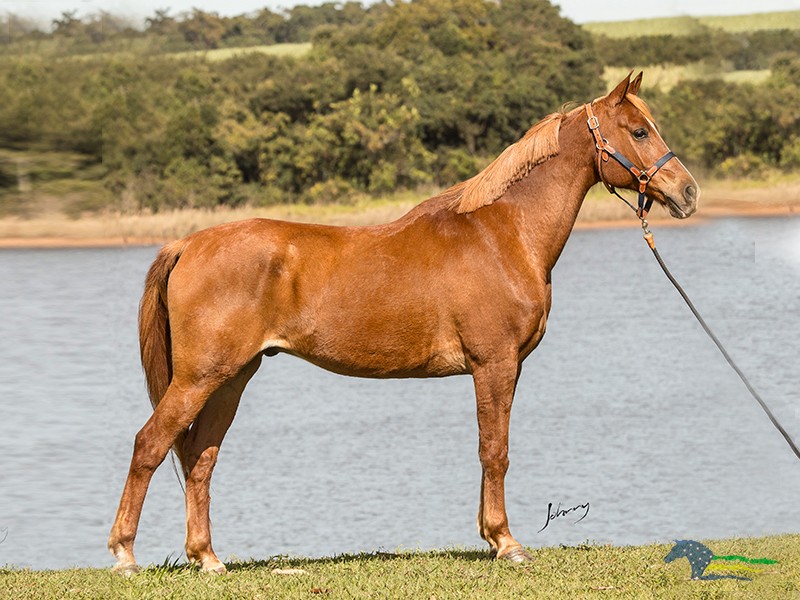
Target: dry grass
[
  {"x": 219, "y": 54},
  {"x": 147, "y": 228},
  {"x": 690, "y": 25},
  {"x": 667, "y": 77},
  {"x": 755, "y": 22},
  {"x": 719, "y": 198},
  {"x": 135, "y": 49},
  {"x": 742, "y": 197},
  {"x": 642, "y": 27}
]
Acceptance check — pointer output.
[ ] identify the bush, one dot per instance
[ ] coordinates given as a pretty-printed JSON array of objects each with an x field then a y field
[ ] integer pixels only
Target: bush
[
  {"x": 8, "y": 177},
  {"x": 331, "y": 191},
  {"x": 456, "y": 164},
  {"x": 745, "y": 166},
  {"x": 790, "y": 155}
]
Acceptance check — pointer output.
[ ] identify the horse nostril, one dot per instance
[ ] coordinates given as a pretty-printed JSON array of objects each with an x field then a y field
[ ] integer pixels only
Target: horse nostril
[{"x": 690, "y": 192}]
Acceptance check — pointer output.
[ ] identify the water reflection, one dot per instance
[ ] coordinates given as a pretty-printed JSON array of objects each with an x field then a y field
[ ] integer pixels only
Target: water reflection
[{"x": 626, "y": 405}]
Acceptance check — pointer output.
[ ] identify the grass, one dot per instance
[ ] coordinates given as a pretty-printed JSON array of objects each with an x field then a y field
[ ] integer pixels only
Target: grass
[
  {"x": 780, "y": 195},
  {"x": 116, "y": 228},
  {"x": 689, "y": 25},
  {"x": 585, "y": 571},
  {"x": 219, "y": 54},
  {"x": 642, "y": 27},
  {"x": 141, "y": 47},
  {"x": 755, "y": 22},
  {"x": 667, "y": 77}
]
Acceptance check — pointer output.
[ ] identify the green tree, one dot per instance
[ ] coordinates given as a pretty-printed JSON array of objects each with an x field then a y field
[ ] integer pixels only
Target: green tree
[
  {"x": 370, "y": 140},
  {"x": 68, "y": 25},
  {"x": 202, "y": 29},
  {"x": 486, "y": 70}
]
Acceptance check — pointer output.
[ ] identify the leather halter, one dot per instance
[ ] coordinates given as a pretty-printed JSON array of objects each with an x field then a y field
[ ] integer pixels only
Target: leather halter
[{"x": 642, "y": 176}]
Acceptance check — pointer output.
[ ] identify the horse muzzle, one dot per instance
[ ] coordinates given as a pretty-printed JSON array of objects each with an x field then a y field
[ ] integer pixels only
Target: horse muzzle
[{"x": 683, "y": 205}]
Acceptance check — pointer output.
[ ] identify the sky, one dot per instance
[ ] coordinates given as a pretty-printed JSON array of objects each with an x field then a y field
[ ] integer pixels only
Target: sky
[{"x": 580, "y": 11}]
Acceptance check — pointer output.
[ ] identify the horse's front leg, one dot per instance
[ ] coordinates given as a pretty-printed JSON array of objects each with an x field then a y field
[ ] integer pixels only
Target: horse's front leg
[{"x": 494, "y": 389}]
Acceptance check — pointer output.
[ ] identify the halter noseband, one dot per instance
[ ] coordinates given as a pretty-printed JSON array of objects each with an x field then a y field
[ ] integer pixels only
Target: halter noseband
[{"x": 643, "y": 176}]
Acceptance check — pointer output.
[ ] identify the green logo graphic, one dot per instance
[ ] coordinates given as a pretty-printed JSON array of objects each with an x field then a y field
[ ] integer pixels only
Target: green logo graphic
[{"x": 706, "y": 565}]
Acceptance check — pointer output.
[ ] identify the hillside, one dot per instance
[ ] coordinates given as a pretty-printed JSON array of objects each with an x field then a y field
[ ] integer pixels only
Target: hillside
[
  {"x": 345, "y": 104},
  {"x": 691, "y": 25}
]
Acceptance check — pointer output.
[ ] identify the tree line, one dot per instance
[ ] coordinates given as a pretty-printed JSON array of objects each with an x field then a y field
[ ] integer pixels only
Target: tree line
[
  {"x": 739, "y": 50},
  {"x": 164, "y": 32},
  {"x": 397, "y": 95}
]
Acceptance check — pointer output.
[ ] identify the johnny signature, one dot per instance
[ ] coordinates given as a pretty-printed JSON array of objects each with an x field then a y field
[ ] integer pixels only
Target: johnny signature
[
  {"x": 563, "y": 512},
  {"x": 3, "y": 534}
]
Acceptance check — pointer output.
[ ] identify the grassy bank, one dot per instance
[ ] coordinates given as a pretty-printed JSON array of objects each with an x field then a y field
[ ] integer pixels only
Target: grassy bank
[
  {"x": 667, "y": 77},
  {"x": 688, "y": 25},
  {"x": 585, "y": 571},
  {"x": 51, "y": 228},
  {"x": 218, "y": 54}
]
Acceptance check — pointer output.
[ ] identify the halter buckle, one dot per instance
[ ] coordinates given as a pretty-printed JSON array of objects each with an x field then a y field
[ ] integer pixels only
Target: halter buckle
[{"x": 594, "y": 122}]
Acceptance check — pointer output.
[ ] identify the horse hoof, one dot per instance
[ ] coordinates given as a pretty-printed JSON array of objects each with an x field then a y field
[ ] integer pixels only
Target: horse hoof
[
  {"x": 217, "y": 570},
  {"x": 125, "y": 570},
  {"x": 517, "y": 555}
]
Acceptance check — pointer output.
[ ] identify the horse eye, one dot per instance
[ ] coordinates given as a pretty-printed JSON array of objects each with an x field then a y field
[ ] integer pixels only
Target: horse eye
[{"x": 640, "y": 133}]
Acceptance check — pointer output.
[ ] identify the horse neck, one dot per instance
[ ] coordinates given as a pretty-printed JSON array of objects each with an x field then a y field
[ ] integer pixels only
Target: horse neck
[{"x": 546, "y": 202}]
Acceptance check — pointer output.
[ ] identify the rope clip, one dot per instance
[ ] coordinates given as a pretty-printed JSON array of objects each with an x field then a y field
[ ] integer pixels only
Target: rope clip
[{"x": 648, "y": 235}]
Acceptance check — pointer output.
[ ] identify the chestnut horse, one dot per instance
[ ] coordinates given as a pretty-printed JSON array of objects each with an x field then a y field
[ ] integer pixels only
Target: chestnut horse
[{"x": 459, "y": 285}]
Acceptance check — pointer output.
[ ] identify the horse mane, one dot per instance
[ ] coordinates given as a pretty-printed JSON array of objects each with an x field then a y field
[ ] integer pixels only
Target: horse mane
[
  {"x": 514, "y": 163},
  {"x": 538, "y": 145}
]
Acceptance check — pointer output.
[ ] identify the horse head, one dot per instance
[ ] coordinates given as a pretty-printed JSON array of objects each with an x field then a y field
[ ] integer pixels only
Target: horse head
[
  {"x": 679, "y": 550},
  {"x": 698, "y": 555},
  {"x": 625, "y": 131}
]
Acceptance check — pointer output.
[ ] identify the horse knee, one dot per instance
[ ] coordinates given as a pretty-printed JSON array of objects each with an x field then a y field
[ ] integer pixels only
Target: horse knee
[{"x": 494, "y": 461}]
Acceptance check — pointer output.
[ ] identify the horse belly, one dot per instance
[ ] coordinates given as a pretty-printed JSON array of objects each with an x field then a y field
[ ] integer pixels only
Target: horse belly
[
  {"x": 387, "y": 349},
  {"x": 439, "y": 364}
]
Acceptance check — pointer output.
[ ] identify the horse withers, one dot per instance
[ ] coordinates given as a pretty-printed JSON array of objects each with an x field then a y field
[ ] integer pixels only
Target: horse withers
[{"x": 459, "y": 285}]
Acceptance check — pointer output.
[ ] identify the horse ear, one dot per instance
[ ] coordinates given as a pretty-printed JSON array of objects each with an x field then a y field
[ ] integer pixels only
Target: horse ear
[
  {"x": 633, "y": 89},
  {"x": 617, "y": 95}
]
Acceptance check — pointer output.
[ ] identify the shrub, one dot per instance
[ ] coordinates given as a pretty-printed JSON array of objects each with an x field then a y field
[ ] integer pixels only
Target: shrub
[
  {"x": 331, "y": 191},
  {"x": 746, "y": 165}
]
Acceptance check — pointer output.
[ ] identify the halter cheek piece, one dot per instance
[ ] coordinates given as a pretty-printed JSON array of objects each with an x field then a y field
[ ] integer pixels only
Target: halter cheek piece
[{"x": 642, "y": 176}]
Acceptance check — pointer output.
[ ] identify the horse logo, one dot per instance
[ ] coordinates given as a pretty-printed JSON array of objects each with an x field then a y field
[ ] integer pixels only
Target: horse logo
[{"x": 700, "y": 557}]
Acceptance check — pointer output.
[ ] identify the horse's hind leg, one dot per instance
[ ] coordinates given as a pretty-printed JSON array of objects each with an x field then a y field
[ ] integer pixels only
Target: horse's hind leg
[
  {"x": 200, "y": 454},
  {"x": 178, "y": 408}
]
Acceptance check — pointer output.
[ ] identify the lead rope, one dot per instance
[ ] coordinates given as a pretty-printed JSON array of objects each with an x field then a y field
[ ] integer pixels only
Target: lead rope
[{"x": 648, "y": 236}]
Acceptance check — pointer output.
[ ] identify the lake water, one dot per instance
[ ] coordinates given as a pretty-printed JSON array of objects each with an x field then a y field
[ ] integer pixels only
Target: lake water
[{"x": 625, "y": 405}]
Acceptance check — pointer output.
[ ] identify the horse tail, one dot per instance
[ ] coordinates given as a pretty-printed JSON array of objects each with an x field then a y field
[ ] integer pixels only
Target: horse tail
[{"x": 155, "y": 343}]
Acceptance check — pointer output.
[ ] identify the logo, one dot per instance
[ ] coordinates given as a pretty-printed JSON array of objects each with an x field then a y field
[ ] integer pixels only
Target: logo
[{"x": 707, "y": 565}]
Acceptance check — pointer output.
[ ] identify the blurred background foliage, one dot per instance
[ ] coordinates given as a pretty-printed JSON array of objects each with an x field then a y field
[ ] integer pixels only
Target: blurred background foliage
[{"x": 328, "y": 103}]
